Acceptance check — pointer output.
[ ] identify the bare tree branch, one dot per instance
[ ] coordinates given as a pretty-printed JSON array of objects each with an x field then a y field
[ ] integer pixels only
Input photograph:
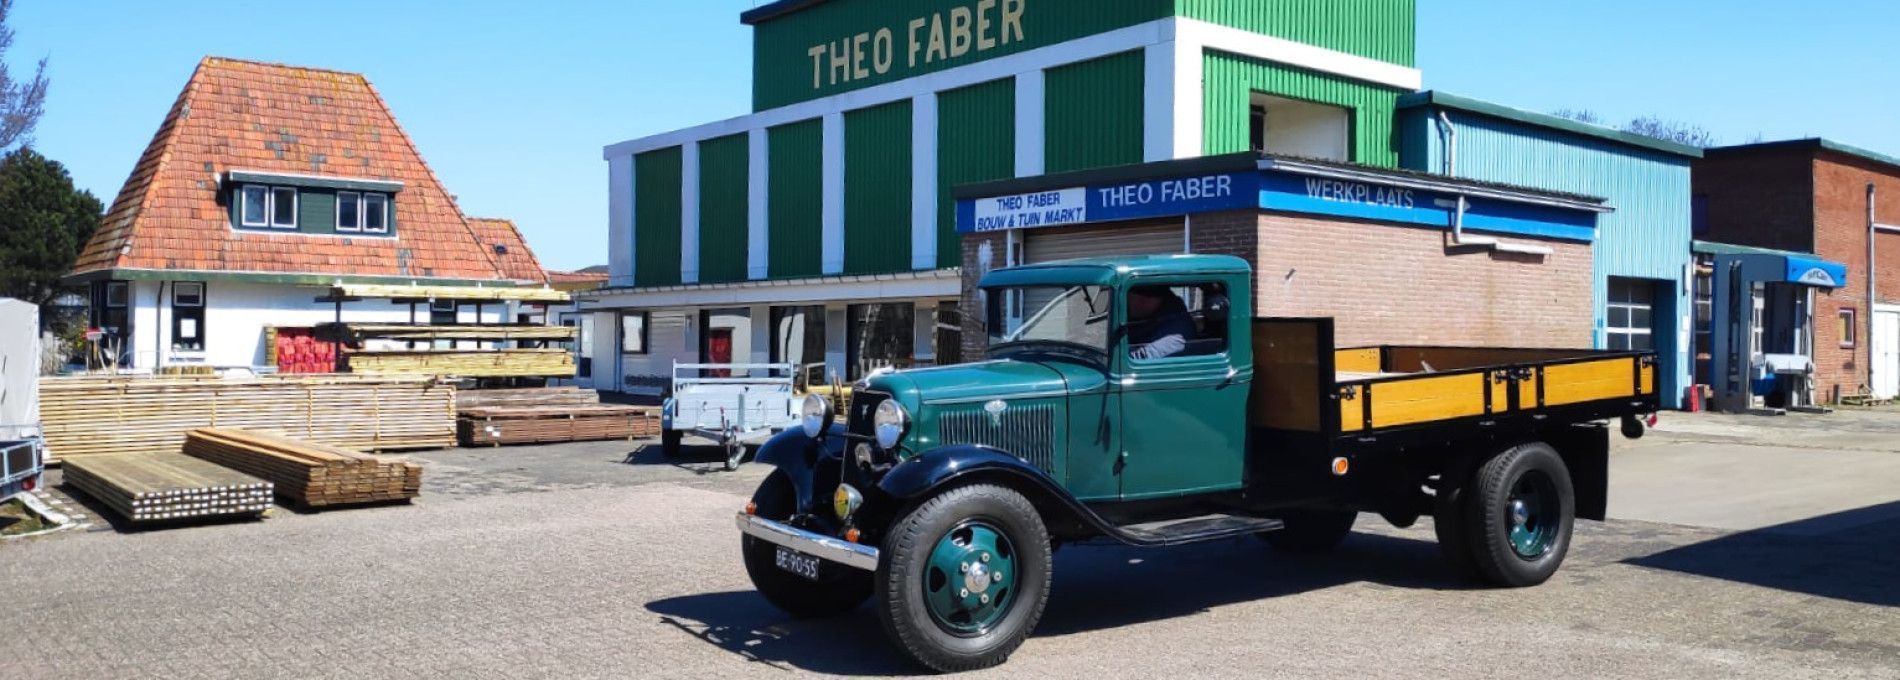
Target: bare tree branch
[{"x": 21, "y": 103}]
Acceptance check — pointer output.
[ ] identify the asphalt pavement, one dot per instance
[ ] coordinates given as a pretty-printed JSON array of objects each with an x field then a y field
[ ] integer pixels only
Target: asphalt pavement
[{"x": 606, "y": 560}]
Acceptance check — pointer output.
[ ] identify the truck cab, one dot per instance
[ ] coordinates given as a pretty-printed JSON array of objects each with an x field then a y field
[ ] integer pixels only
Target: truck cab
[{"x": 1137, "y": 400}]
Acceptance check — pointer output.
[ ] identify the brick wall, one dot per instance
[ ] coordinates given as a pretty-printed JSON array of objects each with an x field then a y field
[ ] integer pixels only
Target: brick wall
[
  {"x": 1762, "y": 198},
  {"x": 1383, "y": 283},
  {"x": 1400, "y": 285},
  {"x": 1840, "y": 227}
]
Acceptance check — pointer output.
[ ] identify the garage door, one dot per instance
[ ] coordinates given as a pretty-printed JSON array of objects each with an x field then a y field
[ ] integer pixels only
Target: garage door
[
  {"x": 1886, "y": 353},
  {"x": 1068, "y": 244},
  {"x": 1632, "y": 312}
]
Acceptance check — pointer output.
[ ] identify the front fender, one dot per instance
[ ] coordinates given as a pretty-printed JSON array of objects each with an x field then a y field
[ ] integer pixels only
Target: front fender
[
  {"x": 797, "y": 456},
  {"x": 922, "y": 476}
]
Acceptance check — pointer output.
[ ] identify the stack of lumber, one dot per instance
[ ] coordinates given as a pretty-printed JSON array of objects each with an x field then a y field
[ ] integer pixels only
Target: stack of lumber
[
  {"x": 548, "y": 414},
  {"x": 308, "y": 474},
  {"x": 494, "y": 426},
  {"x": 358, "y": 332},
  {"x": 169, "y": 486},
  {"x": 491, "y": 363},
  {"x": 89, "y": 416}
]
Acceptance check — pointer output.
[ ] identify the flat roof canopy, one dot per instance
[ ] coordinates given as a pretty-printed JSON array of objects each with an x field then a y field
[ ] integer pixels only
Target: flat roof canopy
[{"x": 473, "y": 293}]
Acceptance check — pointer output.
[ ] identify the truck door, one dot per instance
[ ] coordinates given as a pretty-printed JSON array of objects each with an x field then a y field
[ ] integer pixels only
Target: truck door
[{"x": 1183, "y": 405}]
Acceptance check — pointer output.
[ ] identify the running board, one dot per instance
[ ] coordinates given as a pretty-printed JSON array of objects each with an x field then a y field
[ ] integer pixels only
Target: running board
[{"x": 1193, "y": 530}]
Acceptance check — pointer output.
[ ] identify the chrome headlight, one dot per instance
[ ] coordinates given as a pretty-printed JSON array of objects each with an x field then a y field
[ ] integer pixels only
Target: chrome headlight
[
  {"x": 814, "y": 415},
  {"x": 889, "y": 423}
]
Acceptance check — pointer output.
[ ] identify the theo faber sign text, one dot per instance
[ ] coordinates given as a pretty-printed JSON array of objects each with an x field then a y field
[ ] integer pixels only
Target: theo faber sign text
[
  {"x": 1135, "y": 200},
  {"x": 979, "y": 26}
]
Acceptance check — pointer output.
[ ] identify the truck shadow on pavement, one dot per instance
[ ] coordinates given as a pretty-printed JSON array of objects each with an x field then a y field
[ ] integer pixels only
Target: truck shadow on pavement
[
  {"x": 1852, "y": 555},
  {"x": 697, "y": 459},
  {"x": 1095, "y": 589}
]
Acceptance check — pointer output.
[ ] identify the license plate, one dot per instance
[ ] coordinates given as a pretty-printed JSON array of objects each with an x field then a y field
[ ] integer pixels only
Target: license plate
[{"x": 803, "y": 565}]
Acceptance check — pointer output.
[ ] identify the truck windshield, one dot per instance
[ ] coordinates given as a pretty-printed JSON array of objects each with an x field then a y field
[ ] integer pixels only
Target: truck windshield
[{"x": 1070, "y": 315}]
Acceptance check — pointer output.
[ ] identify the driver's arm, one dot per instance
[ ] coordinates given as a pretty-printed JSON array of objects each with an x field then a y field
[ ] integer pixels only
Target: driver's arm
[{"x": 1164, "y": 346}]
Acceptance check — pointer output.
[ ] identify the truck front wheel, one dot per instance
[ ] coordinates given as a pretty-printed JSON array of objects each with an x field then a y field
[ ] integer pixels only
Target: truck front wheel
[
  {"x": 965, "y": 578},
  {"x": 839, "y": 588},
  {"x": 1521, "y": 516}
]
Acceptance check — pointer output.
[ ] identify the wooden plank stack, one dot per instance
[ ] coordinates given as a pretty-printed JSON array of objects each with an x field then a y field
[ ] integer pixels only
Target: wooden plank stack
[
  {"x": 88, "y": 416},
  {"x": 169, "y": 486},
  {"x": 488, "y": 363},
  {"x": 359, "y": 332},
  {"x": 545, "y": 415},
  {"x": 308, "y": 474}
]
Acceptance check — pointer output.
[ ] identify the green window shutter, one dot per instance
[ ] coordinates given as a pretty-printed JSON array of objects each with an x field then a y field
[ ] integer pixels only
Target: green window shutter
[
  {"x": 1093, "y": 113},
  {"x": 723, "y": 208},
  {"x": 656, "y": 217},
  {"x": 795, "y": 199},
  {"x": 877, "y": 186},
  {"x": 316, "y": 211},
  {"x": 976, "y": 142},
  {"x": 1230, "y": 81}
]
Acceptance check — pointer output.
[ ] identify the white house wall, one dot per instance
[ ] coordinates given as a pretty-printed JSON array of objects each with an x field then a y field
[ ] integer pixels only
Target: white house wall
[{"x": 236, "y": 314}]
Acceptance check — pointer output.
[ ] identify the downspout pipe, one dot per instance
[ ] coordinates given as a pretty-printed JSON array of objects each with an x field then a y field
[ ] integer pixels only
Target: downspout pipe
[{"x": 1873, "y": 229}]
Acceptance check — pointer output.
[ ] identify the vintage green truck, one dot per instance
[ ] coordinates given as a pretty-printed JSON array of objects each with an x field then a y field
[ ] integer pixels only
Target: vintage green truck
[{"x": 1137, "y": 400}]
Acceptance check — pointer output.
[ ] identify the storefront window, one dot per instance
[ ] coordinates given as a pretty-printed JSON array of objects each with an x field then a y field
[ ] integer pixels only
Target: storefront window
[
  {"x": 880, "y": 335},
  {"x": 947, "y": 342}
]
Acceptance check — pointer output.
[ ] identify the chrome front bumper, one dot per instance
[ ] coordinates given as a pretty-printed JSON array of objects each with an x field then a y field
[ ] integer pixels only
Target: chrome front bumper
[{"x": 817, "y": 545}]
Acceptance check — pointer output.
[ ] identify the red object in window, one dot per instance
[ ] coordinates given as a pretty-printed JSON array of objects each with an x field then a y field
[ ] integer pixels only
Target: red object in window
[{"x": 719, "y": 351}]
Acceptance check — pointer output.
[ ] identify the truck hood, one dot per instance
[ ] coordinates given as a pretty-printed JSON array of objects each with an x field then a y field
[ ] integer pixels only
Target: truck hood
[{"x": 1006, "y": 378}]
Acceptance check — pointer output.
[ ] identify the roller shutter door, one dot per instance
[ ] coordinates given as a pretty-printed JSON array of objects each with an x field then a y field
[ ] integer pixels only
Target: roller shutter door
[{"x": 1049, "y": 245}]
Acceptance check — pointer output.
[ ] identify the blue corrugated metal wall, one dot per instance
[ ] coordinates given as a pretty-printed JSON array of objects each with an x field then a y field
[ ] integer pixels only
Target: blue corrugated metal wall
[{"x": 1648, "y": 235}]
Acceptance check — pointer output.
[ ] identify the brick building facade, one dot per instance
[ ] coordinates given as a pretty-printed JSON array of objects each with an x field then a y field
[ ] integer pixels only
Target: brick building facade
[{"x": 1812, "y": 196}]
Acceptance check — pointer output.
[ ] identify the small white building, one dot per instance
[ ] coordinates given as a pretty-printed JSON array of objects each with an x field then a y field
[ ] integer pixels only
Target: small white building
[{"x": 265, "y": 186}]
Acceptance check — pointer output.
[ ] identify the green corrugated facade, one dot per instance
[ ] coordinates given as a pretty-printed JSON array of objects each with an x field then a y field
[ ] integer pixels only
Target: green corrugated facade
[
  {"x": 1093, "y": 113},
  {"x": 782, "y": 65},
  {"x": 656, "y": 217},
  {"x": 722, "y": 208},
  {"x": 976, "y": 142},
  {"x": 877, "y": 189},
  {"x": 795, "y": 199},
  {"x": 1386, "y": 30},
  {"x": 1230, "y": 81}
]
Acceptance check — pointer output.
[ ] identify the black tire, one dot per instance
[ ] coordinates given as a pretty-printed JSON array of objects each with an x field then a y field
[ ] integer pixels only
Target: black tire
[
  {"x": 901, "y": 578},
  {"x": 839, "y": 589},
  {"x": 1451, "y": 521},
  {"x": 1491, "y": 523},
  {"x": 1311, "y": 530},
  {"x": 670, "y": 443}
]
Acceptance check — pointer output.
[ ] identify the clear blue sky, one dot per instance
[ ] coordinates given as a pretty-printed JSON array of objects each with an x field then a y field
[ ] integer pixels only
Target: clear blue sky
[{"x": 511, "y": 102}]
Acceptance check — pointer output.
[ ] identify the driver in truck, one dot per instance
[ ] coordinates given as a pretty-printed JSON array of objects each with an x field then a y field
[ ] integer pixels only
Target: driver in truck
[{"x": 1158, "y": 323}]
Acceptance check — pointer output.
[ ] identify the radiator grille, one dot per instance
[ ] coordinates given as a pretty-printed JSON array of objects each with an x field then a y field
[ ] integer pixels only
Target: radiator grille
[{"x": 1026, "y": 430}]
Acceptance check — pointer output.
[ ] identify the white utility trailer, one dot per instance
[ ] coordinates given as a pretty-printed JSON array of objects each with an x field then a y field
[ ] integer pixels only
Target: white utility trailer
[{"x": 733, "y": 405}]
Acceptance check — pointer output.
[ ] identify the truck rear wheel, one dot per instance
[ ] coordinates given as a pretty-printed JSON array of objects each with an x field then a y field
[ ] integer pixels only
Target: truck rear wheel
[
  {"x": 839, "y": 588},
  {"x": 965, "y": 578},
  {"x": 1522, "y": 511},
  {"x": 1311, "y": 530}
]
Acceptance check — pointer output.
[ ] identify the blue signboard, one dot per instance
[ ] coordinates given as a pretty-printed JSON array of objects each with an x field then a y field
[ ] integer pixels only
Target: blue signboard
[
  {"x": 1816, "y": 272},
  {"x": 1110, "y": 203},
  {"x": 1269, "y": 190}
]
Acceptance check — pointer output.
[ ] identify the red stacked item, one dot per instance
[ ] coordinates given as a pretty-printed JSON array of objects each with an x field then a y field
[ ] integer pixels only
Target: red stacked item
[{"x": 299, "y": 351}]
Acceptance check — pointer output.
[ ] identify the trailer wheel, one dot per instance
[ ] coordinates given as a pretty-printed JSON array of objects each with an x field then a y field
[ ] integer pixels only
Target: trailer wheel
[
  {"x": 839, "y": 589},
  {"x": 1523, "y": 509},
  {"x": 1311, "y": 530},
  {"x": 670, "y": 443},
  {"x": 965, "y": 578}
]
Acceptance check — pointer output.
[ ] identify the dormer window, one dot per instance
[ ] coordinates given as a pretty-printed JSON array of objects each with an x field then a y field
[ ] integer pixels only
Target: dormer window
[
  {"x": 267, "y": 207},
  {"x": 362, "y": 212}
]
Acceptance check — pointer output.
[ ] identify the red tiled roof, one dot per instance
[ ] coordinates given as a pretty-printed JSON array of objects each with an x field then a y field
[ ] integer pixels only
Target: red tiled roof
[
  {"x": 273, "y": 118},
  {"x": 512, "y": 256},
  {"x": 577, "y": 277}
]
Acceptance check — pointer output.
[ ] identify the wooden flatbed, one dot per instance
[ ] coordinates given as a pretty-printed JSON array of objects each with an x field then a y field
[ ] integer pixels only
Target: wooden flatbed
[{"x": 1367, "y": 398}]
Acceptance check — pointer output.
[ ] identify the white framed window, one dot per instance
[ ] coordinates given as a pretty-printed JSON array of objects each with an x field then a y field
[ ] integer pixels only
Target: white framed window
[
  {"x": 375, "y": 213},
  {"x": 254, "y": 206},
  {"x": 188, "y": 316},
  {"x": 118, "y": 293},
  {"x": 1631, "y": 323},
  {"x": 349, "y": 211},
  {"x": 283, "y": 208},
  {"x": 188, "y": 294},
  {"x": 1849, "y": 330}
]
